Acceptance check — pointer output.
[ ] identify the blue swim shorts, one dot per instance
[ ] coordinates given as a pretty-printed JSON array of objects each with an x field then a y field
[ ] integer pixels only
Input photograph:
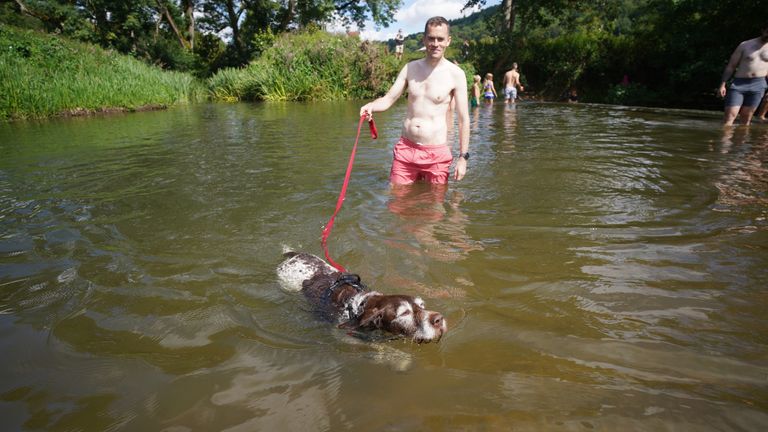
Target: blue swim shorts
[
  {"x": 510, "y": 93},
  {"x": 745, "y": 92}
]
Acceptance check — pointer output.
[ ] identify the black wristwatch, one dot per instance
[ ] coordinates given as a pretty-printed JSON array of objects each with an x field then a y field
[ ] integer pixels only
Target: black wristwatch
[{"x": 464, "y": 155}]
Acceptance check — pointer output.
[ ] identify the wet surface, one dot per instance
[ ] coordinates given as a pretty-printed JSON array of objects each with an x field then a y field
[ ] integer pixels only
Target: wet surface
[{"x": 600, "y": 268}]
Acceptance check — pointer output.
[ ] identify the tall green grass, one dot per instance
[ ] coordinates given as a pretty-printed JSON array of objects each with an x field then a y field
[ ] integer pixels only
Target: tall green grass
[
  {"x": 43, "y": 75},
  {"x": 310, "y": 65}
]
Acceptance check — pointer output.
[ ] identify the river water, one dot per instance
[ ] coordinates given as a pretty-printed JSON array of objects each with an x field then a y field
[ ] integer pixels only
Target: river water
[{"x": 600, "y": 268}]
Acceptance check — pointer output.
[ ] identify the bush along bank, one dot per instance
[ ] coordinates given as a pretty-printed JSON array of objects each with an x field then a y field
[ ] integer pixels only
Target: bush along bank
[
  {"x": 44, "y": 76},
  {"x": 310, "y": 65}
]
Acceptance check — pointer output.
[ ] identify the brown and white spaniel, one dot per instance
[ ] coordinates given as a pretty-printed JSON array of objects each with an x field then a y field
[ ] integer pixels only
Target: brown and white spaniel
[{"x": 342, "y": 297}]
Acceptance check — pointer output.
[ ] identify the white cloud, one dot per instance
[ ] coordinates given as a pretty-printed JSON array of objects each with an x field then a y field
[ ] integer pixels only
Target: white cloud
[
  {"x": 380, "y": 35},
  {"x": 419, "y": 11}
]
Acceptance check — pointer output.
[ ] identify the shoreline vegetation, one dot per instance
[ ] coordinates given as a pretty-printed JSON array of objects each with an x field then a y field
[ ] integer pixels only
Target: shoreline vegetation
[
  {"x": 42, "y": 75},
  {"x": 309, "y": 65},
  {"x": 85, "y": 57}
]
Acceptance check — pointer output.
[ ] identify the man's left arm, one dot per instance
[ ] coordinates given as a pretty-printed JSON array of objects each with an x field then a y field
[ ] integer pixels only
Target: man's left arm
[{"x": 462, "y": 110}]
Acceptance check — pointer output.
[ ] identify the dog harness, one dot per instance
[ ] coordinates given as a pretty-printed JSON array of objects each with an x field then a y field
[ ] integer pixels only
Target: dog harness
[
  {"x": 350, "y": 279},
  {"x": 356, "y": 303}
]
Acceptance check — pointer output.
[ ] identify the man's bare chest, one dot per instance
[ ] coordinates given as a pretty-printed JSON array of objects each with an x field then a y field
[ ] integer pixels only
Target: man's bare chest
[
  {"x": 757, "y": 54},
  {"x": 436, "y": 87}
]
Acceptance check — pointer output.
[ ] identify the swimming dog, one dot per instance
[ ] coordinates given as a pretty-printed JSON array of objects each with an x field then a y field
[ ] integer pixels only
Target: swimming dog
[{"x": 342, "y": 297}]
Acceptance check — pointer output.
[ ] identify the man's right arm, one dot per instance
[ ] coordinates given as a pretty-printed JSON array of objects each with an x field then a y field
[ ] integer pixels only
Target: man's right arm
[
  {"x": 730, "y": 68},
  {"x": 383, "y": 103}
]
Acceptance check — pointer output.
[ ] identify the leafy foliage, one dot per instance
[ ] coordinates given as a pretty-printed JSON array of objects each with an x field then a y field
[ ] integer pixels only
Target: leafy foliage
[
  {"x": 671, "y": 51},
  {"x": 42, "y": 75},
  {"x": 163, "y": 31},
  {"x": 310, "y": 65}
]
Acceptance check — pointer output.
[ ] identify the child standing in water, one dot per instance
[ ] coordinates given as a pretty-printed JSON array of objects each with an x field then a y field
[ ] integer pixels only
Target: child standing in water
[
  {"x": 488, "y": 88},
  {"x": 475, "y": 99}
]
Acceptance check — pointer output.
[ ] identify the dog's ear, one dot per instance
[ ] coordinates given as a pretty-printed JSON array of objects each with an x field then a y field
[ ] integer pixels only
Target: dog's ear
[
  {"x": 370, "y": 318},
  {"x": 352, "y": 324}
]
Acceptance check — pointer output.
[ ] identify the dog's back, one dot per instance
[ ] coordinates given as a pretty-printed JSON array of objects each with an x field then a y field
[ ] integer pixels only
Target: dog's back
[{"x": 301, "y": 266}]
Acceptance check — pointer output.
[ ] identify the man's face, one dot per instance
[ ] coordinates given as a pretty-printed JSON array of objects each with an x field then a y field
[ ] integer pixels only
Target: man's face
[{"x": 436, "y": 39}]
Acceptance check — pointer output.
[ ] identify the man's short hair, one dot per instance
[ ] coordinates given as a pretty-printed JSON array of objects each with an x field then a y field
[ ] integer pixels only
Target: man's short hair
[{"x": 436, "y": 21}]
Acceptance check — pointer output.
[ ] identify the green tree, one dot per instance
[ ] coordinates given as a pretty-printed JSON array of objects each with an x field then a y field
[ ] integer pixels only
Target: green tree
[
  {"x": 164, "y": 31},
  {"x": 247, "y": 19}
]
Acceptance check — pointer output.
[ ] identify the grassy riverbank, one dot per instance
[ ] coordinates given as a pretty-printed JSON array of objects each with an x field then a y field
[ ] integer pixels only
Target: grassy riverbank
[
  {"x": 43, "y": 76},
  {"x": 311, "y": 65}
]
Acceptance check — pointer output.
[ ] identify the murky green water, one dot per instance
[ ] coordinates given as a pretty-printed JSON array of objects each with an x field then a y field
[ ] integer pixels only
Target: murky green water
[{"x": 600, "y": 268}]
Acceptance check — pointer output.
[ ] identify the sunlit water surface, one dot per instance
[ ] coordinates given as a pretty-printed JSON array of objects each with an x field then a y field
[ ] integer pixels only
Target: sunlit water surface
[{"x": 600, "y": 268}]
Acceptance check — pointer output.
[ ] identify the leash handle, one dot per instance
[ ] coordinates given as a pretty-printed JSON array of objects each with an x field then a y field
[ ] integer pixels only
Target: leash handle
[
  {"x": 372, "y": 127},
  {"x": 343, "y": 193}
]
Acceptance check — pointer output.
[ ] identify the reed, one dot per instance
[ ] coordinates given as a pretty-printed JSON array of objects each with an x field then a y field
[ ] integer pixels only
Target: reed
[
  {"x": 43, "y": 75},
  {"x": 310, "y": 65}
]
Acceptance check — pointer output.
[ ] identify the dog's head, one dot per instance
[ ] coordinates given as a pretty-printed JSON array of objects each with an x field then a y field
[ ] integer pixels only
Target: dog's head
[{"x": 401, "y": 315}]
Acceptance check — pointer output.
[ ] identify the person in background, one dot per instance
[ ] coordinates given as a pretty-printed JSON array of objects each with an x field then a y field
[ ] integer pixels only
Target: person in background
[
  {"x": 489, "y": 91},
  {"x": 465, "y": 50},
  {"x": 475, "y": 100},
  {"x": 433, "y": 84},
  {"x": 764, "y": 108},
  {"x": 399, "y": 44},
  {"x": 573, "y": 95},
  {"x": 511, "y": 84},
  {"x": 748, "y": 66}
]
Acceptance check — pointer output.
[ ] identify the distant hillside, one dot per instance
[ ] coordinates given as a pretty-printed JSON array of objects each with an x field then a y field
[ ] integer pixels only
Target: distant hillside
[{"x": 473, "y": 26}]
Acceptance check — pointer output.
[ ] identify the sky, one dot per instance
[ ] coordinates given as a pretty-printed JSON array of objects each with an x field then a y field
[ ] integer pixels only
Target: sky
[{"x": 414, "y": 13}]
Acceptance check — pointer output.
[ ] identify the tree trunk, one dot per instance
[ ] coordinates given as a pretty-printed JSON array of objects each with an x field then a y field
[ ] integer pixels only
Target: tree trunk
[
  {"x": 157, "y": 28},
  {"x": 508, "y": 9},
  {"x": 23, "y": 9},
  {"x": 164, "y": 10},
  {"x": 189, "y": 12},
  {"x": 234, "y": 18},
  {"x": 288, "y": 17}
]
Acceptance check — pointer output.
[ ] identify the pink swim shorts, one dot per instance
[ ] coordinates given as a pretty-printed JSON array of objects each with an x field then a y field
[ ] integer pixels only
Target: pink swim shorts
[{"x": 414, "y": 162}]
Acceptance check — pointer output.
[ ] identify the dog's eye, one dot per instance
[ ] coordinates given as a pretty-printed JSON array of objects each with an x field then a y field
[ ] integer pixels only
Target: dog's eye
[{"x": 403, "y": 311}]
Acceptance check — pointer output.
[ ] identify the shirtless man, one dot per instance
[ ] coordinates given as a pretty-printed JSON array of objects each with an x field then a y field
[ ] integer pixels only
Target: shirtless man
[
  {"x": 433, "y": 84},
  {"x": 511, "y": 84},
  {"x": 399, "y": 42},
  {"x": 748, "y": 66}
]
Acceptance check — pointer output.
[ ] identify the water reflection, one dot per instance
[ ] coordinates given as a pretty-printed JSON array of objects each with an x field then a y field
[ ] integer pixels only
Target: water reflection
[
  {"x": 438, "y": 226},
  {"x": 434, "y": 226},
  {"x": 744, "y": 181},
  {"x": 474, "y": 118}
]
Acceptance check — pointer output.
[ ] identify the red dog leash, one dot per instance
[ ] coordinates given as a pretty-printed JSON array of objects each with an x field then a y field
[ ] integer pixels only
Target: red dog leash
[{"x": 343, "y": 193}]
